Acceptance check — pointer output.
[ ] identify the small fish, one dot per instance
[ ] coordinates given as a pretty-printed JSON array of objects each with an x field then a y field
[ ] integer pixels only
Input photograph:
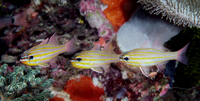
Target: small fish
[
  {"x": 146, "y": 57},
  {"x": 46, "y": 51},
  {"x": 95, "y": 59}
]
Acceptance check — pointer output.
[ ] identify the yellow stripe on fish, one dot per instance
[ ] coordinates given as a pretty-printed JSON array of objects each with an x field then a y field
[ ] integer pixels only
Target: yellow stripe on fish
[
  {"x": 43, "y": 53},
  {"x": 92, "y": 59},
  {"x": 95, "y": 59},
  {"x": 146, "y": 57}
]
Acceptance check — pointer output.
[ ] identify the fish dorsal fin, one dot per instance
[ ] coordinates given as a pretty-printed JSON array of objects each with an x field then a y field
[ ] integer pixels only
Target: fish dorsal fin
[
  {"x": 144, "y": 44},
  {"x": 161, "y": 67},
  {"x": 53, "y": 40},
  {"x": 44, "y": 42},
  {"x": 108, "y": 47},
  {"x": 71, "y": 45},
  {"x": 96, "y": 47},
  {"x": 97, "y": 69},
  {"x": 158, "y": 44}
]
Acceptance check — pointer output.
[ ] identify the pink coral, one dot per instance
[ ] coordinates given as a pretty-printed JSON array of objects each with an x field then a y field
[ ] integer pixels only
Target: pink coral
[
  {"x": 164, "y": 90},
  {"x": 22, "y": 18},
  {"x": 96, "y": 18}
]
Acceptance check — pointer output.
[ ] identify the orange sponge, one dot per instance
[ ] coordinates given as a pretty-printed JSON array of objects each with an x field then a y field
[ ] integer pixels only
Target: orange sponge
[
  {"x": 119, "y": 11},
  {"x": 83, "y": 89}
]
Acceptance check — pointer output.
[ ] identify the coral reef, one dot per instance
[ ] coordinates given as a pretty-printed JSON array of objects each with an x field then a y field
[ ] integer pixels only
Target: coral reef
[
  {"x": 85, "y": 20},
  {"x": 92, "y": 10},
  {"x": 23, "y": 84}
]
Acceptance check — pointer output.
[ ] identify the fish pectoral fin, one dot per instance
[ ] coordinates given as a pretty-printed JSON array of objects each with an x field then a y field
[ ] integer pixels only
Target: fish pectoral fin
[
  {"x": 97, "y": 69},
  {"x": 44, "y": 64},
  {"x": 161, "y": 67},
  {"x": 145, "y": 71}
]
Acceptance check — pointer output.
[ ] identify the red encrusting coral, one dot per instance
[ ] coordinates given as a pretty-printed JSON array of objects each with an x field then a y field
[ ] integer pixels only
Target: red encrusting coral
[
  {"x": 56, "y": 99},
  {"x": 83, "y": 89},
  {"x": 119, "y": 11}
]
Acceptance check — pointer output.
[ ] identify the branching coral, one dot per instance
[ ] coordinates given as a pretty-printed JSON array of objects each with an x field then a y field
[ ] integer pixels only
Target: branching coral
[
  {"x": 23, "y": 85},
  {"x": 181, "y": 12}
]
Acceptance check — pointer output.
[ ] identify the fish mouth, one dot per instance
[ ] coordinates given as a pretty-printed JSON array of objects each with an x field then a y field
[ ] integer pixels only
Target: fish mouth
[{"x": 72, "y": 59}]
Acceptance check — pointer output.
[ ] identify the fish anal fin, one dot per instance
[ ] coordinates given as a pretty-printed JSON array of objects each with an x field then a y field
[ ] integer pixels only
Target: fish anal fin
[
  {"x": 53, "y": 40},
  {"x": 44, "y": 64},
  {"x": 161, "y": 67},
  {"x": 97, "y": 69},
  {"x": 44, "y": 42},
  {"x": 53, "y": 62},
  {"x": 106, "y": 67},
  {"x": 145, "y": 71}
]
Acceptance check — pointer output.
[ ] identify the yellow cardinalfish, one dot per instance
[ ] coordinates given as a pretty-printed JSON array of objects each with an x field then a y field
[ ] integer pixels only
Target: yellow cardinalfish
[
  {"x": 146, "y": 57},
  {"x": 95, "y": 59},
  {"x": 46, "y": 52}
]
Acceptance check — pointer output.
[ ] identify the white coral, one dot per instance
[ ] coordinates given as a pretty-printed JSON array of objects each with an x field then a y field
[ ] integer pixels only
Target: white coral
[{"x": 181, "y": 12}]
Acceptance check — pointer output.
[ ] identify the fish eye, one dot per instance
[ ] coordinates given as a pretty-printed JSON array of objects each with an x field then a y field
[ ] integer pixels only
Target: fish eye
[
  {"x": 78, "y": 59},
  {"x": 30, "y": 57},
  {"x": 126, "y": 58}
]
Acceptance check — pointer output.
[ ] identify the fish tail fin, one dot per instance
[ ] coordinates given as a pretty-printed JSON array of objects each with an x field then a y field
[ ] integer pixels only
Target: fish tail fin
[
  {"x": 182, "y": 57},
  {"x": 70, "y": 45}
]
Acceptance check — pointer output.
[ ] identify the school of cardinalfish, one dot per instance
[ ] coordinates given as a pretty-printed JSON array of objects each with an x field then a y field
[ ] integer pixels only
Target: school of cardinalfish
[{"x": 97, "y": 58}]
